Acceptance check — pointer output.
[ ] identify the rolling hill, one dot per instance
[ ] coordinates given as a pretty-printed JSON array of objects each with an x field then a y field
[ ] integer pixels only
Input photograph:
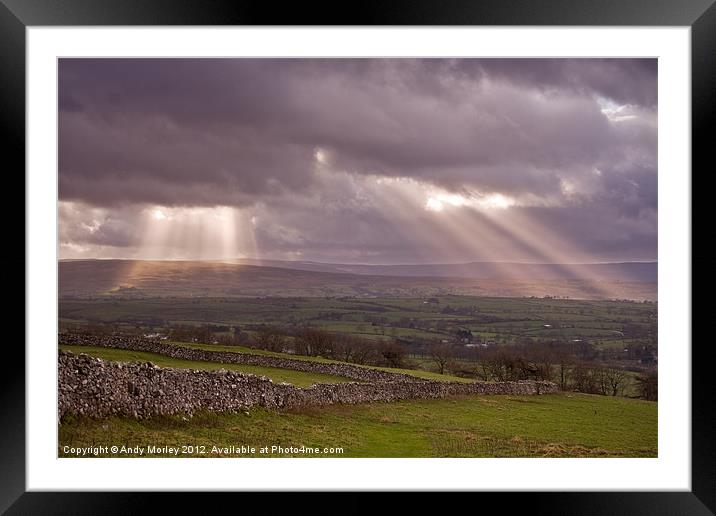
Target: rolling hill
[
  {"x": 645, "y": 272},
  {"x": 142, "y": 279}
]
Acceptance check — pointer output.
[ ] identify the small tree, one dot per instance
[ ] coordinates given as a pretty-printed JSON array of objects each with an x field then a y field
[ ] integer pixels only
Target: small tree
[
  {"x": 313, "y": 341},
  {"x": 543, "y": 361},
  {"x": 271, "y": 339},
  {"x": 441, "y": 353},
  {"x": 564, "y": 362},
  {"x": 392, "y": 353},
  {"x": 584, "y": 379},
  {"x": 615, "y": 379},
  {"x": 648, "y": 386},
  {"x": 363, "y": 352},
  {"x": 601, "y": 380}
]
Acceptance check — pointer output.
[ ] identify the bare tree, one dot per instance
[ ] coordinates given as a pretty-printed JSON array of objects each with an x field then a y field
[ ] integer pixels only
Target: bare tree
[
  {"x": 271, "y": 339},
  {"x": 615, "y": 380},
  {"x": 543, "y": 360},
  {"x": 343, "y": 347},
  {"x": 601, "y": 380},
  {"x": 364, "y": 351},
  {"x": 493, "y": 365},
  {"x": 313, "y": 341},
  {"x": 392, "y": 353},
  {"x": 441, "y": 353},
  {"x": 584, "y": 379},
  {"x": 648, "y": 385},
  {"x": 564, "y": 362}
]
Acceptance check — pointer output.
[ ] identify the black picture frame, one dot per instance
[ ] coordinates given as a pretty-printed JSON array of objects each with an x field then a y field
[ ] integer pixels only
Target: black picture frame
[{"x": 17, "y": 15}]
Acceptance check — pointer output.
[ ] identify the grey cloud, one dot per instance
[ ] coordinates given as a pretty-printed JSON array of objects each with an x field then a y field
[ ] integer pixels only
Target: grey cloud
[
  {"x": 252, "y": 126},
  {"x": 625, "y": 81},
  {"x": 244, "y": 133},
  {"x": 85, "y": 226}
]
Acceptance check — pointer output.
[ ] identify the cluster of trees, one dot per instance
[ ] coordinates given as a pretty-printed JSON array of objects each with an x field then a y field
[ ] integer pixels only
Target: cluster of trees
[
  {"x": 648, "y": 385},
  {"x": 599, "y": 380},
  {"x": 574, "y": 366},
  {"x": 347, "y": 348},
  {"x": 570, "y": 365}
]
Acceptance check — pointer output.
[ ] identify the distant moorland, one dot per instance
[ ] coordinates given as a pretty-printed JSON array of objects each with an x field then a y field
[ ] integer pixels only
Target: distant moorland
[{"x": 147, "y": 279}]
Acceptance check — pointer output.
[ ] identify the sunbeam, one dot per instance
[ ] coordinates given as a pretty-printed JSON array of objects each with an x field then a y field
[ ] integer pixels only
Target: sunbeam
[{"x": 186, "y": 233}]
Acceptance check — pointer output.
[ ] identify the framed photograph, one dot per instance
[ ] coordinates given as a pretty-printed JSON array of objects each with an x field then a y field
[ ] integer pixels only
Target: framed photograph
[{"x": 420, "y": 249}]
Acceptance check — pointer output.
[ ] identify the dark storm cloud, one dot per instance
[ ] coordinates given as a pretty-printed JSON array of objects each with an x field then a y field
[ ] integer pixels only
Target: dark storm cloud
[
  {"x": 579, "y": 133},
  {"x": 625, "y": 81}
]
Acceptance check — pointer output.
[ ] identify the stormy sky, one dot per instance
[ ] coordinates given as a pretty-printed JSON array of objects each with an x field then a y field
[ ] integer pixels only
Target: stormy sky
[{"x": 359, "y": 160}]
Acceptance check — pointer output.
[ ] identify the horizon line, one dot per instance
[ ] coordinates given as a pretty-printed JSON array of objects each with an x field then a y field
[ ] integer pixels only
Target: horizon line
[{"x": 228, "y": 260}]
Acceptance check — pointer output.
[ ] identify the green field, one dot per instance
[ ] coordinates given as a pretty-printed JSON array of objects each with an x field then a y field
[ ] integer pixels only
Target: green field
[
  {"x": 297, "y": 378},
  {"x": 607, "y": 324},
  {"x": 557, "y": 425}
]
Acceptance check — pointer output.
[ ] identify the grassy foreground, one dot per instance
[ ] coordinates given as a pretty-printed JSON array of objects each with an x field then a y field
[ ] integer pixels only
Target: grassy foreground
[
  {"x": 297, "y": 378},
  {"x": 556, "y": 425}
]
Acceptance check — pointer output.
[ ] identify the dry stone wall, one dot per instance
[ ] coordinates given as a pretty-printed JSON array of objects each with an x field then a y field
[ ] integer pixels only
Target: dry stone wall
[
  {"x": 99, "y": 388},
  {"x": 354, "y": 372}
]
